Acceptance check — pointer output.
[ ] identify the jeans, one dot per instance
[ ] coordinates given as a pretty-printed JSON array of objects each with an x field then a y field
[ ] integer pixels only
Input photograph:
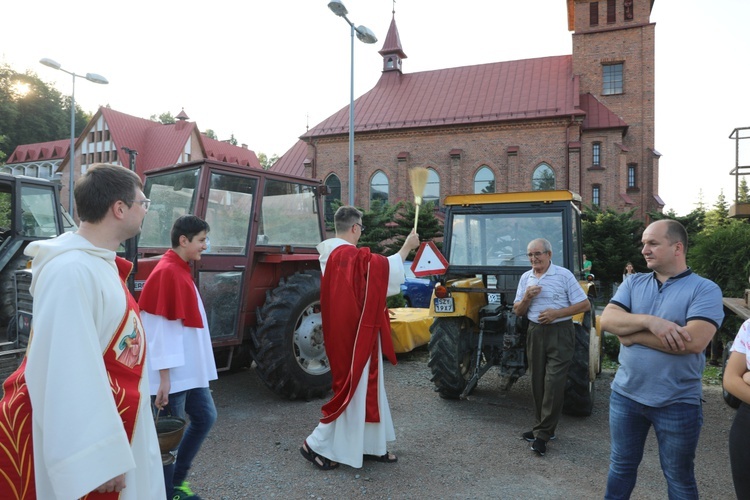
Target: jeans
[
  {"x": 677, "y": 428},
  {"x": 199, "y": 406}
]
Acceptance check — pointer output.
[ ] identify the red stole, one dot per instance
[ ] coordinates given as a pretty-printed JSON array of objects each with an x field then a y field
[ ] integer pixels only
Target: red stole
[
  {"x": 170, "y": 292},
  {"x": 352, "y": 299},
  {"x": 124, "y": 358}
]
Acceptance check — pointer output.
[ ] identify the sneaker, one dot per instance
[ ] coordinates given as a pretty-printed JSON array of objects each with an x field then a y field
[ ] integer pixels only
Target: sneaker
[
  {"x": 183, "y": 492},
  {"x": 529, "y": 436},
  {"x": 539, "y": 446}
]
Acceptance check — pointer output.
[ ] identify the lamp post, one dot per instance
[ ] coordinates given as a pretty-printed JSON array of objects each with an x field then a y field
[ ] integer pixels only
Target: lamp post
[
  {"x": 92, "y": 77},
  {"x": 365, "y": 35}
]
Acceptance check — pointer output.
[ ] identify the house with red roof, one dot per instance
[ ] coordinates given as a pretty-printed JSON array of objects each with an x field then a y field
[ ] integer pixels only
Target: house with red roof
[
  {"x": 582, "y": 122},
  {"x": 118, "y": 138}
]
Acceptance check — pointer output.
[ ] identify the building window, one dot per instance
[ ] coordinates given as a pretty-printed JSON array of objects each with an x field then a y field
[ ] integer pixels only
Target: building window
[
  {"x": 333, "y": 183},
  {"x": 106, "y": 157},
  {"x": 612, "y": 79},
  {"x": 611, "y": 12},
  {"x": 106, "y": 135},
  {"x": 114, "y": 156},
  {"x": 632, "y": 176},
  {"x": 543, "y": 178},
  {"x": 596, "y": 154},
  {"x": 628, "y": 10},
  {"x": 594, "y": 14},
  {"x": 595, "y": 195},
  {"x": 379, "y": 187},
  {"x": 484, "y": 180},
  {"x": 432, "y": 188},
  {"x": 92, "y": 136}
]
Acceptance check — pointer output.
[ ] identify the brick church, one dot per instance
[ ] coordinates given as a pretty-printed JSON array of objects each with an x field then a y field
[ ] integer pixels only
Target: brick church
[{"x": 582, "y": 122}]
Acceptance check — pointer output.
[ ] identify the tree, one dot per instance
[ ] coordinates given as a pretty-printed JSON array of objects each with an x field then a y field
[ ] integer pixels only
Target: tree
[
  {"x": 743, "y": 196},
  {"x": 164, "y": 118},
  {"x": 232, "y": 140},
  {"x": 718, "y": 216},
  {"x": 210, "y": 134},
  {"x": 610, "y": 240},
  {"x": 39, "y": 115},
  {"x": 267, "y": 162}
]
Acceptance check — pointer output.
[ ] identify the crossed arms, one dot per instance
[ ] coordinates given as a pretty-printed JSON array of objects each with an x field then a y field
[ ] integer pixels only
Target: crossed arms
[{"x": 657, "y": 333}]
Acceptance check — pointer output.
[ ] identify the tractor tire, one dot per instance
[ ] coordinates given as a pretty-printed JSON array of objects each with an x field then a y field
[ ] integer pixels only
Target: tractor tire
[
  {"x": 7, "y": 290},
  {"x": 579, "y": 388},
  {"x": 452, "y": 358},
  {"x": 291, "y": 358},
  {"x": 730, "y": 399}
]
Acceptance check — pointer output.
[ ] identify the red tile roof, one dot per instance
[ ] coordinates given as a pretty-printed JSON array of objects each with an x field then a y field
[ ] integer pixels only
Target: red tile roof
[
  {"x": 292, "y": 162},
  {"x": 160, "y": 145},
  {"x": 223, "y": 151},
  {"x": 515, "y": 90},
  {"x": 598, "y": 116},
  {"x": 52, "y": 150}
]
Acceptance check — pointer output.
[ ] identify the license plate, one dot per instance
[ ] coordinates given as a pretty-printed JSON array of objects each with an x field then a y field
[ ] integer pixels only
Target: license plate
[
  {"x": 493, "y": 298},
  {"x": 444, "y": 305}
]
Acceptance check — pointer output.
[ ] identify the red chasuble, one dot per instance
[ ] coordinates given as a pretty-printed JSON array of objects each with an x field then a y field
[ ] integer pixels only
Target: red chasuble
[
  {"x": 352, "y": 299},
  {"x": 169, "y": 291}
]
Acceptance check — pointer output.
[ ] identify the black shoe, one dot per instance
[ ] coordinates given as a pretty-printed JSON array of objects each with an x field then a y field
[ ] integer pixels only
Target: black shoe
[
  {"x": 529, "y": 436},
  {"x": 539, "y": 446}
]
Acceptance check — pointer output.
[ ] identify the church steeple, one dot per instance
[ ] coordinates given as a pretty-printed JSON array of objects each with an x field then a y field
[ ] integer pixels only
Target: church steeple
[{"x": 392, "y": 52}]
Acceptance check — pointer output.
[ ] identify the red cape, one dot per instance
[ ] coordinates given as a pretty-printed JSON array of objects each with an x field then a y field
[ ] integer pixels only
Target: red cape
[
  {"x": 170, "y": 292},
  {"x": 352, "y": 299}
]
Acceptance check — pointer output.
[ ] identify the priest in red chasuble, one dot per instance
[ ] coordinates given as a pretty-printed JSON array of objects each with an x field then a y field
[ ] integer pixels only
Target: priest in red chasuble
[{"x": 356, "y": 422}]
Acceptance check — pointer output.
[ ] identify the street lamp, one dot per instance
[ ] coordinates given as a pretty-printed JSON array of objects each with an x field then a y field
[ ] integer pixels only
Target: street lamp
[
  {"x": 365, "y": 35},
  {"x": 92, "y": 77}
]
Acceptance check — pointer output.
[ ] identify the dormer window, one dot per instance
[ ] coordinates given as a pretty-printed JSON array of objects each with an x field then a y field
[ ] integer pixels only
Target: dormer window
[{"x": 389, "y": 63}]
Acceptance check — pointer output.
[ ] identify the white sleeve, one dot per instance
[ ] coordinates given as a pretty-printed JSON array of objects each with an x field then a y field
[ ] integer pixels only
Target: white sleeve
[
  {"x": 396, "y": 276},
  {"x": 164, "y": 339}
]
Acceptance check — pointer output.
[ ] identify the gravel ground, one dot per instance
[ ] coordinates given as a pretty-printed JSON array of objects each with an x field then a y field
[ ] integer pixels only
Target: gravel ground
[{"x": 446, "y": 449}]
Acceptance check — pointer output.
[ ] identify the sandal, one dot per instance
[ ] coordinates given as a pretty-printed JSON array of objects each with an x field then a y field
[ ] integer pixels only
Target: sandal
[
  {"x": 388, "y": 458},
  {"x": 318, "y": 461}
]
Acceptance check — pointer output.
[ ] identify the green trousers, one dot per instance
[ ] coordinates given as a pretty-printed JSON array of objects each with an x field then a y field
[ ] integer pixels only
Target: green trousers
[{"x": 550, "y": 350}]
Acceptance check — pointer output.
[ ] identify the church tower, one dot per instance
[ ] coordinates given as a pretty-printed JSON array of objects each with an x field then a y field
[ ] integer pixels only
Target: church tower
[
  {"x": 392, "y": 52},
  {"x": 613, "y": 56}
]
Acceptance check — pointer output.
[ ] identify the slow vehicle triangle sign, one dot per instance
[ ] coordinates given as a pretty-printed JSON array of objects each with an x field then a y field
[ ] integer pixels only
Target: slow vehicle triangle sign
[{"x": 429, "y": 261}]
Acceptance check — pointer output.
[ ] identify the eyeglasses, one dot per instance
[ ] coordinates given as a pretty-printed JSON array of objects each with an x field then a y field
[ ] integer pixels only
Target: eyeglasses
[
  {"x": 146, "y": 203},
  {"x": 535, "y": 255},
  {"x": 361, "y": 227}
]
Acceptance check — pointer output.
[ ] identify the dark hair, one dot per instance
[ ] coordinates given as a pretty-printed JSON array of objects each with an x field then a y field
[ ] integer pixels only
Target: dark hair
[
  {"x": 188, "y": 226},
  {"x": 676, "y": 232},
  {"x": 100, "y": 187},
  {"x": 345, "y": 217}
]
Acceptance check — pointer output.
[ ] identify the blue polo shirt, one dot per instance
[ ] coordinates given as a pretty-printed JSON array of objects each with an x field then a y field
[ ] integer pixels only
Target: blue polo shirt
[{"x": 652, "y": 377}]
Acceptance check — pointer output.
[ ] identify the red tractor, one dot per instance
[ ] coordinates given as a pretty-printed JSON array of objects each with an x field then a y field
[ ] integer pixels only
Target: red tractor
[{"x": 260, "y": 277}]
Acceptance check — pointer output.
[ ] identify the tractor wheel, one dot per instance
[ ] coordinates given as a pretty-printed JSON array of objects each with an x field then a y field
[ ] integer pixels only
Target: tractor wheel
[
  {"x": 452, "y": 358},
  {"x": 729, "y": 398},
  {"x": 579, "y": 388},
  {"x": 7, "y": 290},
  {"x": 291, "y": 357}
]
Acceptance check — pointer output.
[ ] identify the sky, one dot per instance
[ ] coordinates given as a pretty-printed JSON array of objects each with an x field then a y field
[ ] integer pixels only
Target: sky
[{"x": 264, "y": 71}]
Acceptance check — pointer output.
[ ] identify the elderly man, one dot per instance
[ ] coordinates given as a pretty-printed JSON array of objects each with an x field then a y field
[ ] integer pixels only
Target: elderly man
[
  {"x": 664, "y": 320},
  {"x": 549, "y": 296}
]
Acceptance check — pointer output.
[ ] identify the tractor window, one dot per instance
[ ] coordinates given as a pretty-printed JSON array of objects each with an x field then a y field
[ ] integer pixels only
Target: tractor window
[
  {"x": 172, "y": 195},
  {"x": 5, "y": 217},
  {"x": 229, "y": 212},
  {"x": 289, "y": 215},
  {"x": 221, "y": 292},
  {"x": 38, "y": 211},
  {"x": 500, "y": 239}
]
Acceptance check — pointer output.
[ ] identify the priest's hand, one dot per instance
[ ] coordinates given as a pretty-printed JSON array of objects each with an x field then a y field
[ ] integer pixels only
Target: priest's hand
[{"x": 117, "y": 484}]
